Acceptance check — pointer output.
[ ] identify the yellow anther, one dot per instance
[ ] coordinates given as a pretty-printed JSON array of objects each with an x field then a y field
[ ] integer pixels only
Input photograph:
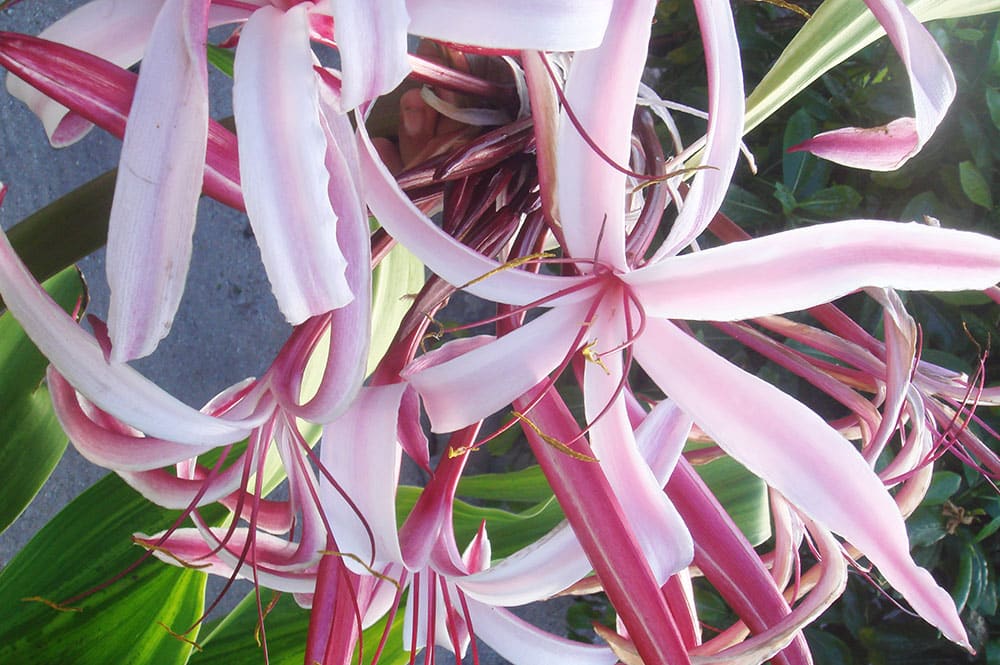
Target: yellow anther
[
  {"x": 592, "y": 356},
  {"x": 179, "y": 636},
  {"x": 513, "y": 263},
  {"x": 554, "y": 442},
  {"x": 355, "y": 558},
  {"x": 54, "y": 605}
]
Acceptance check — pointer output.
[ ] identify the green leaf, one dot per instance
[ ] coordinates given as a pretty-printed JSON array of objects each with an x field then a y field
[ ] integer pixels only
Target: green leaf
[
  {"x": 991, "y": 528},
  {"x": 85, "y": 545},
  {"x": 924, "y": 204},
  {"x": 234, "y": 639},
  {"x": 993, "y": 104},
  {"x": 944, "y": 484},
  {"x": 974, "y": 185},
  {"x": 397, "y": 278},
  {"x": 925, "y": 526},
  {"x": 963, "y": 580},
  {"x": 785, "y": 197},
  {"x": 525, "y": 486},
  {"x": 222, "y": 59},
  {"x": 742, "y": 494},
  {"x": 67, "y": 230},
  {"x": 837, "y": 30},
  {"x": 831, "y": 201},
  {"x": 827, "y": 649},
  {"x": 745, "y": 208},
  {"x": 963, "y": 298},
  {"x": 31, "y": 440}
]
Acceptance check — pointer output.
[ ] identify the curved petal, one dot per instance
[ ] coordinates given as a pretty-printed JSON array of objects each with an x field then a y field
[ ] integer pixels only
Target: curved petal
[
  {"x": 725, "y": 126},
  {"x": 797, "y": 453},
  {"x": 480, "y": 382},
  {"x": 283, "y": 152},
  {"x": 447, "y": 257},
  {"x": 189, "y": 548},
  {"x": 661, "y": 436},
  {"x": 601, "y": 90},
  {"x": 537, "y": 25},
  {"x": 115, "y": 388},
  {"x": 115, "y": 30},
  {"x": 931, "y": 82},
  {"x": 658, "y": 527},
  {"x": 159, "y": 182},
  {"x": 362, "y": 452},
  {"x": 765, "y": 644},
  {"x": 102, "y": 92},
  {"x": 536, "y": 572},
  {"x": 372, "y": 45},
  {"x": 523, "y": 644},
  {"x": 797, "y": 269},
  {"x": 345, "y": 342},
  {"x": 123, "y": 450}
]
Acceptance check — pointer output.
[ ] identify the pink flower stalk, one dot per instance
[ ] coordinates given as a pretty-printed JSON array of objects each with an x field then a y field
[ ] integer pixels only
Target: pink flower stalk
[{"x": 618, "y": 306}]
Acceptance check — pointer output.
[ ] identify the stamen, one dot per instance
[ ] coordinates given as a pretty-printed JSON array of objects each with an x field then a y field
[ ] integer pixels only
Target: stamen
[
  {"x": 591, "y": 356},
  {"x": 180, "y": 636},
  {"x": 163, "y": 550},
  {"x": 582, "y": 131},
  {"x": 260, "y": 620},
  {"x": 552, "y": 441},
  {"x": 59, "y": 607},
  {"x": 371, "y": 571},
  {"x": 513, "y": 263}
]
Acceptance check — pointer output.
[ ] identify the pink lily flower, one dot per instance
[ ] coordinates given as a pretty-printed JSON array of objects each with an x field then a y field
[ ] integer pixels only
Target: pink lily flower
[
  {"x": 452, "y": 595},
  {"x": 932, "y": 83},
  {"x": 118, "y": 419},
  {"x": 618, "y": 308},
  {"x": 284, "y": 142}
]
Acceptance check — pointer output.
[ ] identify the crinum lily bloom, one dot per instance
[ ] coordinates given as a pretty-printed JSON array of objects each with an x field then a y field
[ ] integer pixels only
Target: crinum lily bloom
[
  {"x": 284, "y": 138},
  {"x": 452, "y": 596},
  {"x": 620, "y": 306},
  {"x": 118, "y": 419}
]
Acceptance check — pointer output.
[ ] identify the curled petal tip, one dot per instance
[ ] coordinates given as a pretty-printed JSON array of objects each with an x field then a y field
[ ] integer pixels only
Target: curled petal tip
[{"x": 883, "y": 148}]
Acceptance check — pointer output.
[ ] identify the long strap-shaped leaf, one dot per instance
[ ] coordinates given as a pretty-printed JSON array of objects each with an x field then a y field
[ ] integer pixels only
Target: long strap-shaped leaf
[{"x": 837, "y": 30}]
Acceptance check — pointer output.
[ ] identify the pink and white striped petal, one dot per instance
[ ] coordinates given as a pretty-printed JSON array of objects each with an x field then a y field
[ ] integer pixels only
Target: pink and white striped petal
[
  {"x": 115, "y": 30},
  {"x": 159, "y": 182},
  {"x": 521, "y": 643},
  {"x": 537, "y": 25},
  {"x": 372, "y": 44},
  {"x": 190, "y": 549},
  {"x": 283, "y": 152},
  {"x": 480, "y": 382},
  {"x": 113, "y": 445},
  {"x": 797, "y": 269},
  {"x": 115, "y": 388},
  {"x": 541, "y": 570},
  {"x": 361, "y": 451},
  {"x": 725, "y": 127},
  {"x": 658, "y": 527},
  {"x": 933, "y": 87},
  {"x": 796, "y": 452},
  {"x": 592, "y": 192}
]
